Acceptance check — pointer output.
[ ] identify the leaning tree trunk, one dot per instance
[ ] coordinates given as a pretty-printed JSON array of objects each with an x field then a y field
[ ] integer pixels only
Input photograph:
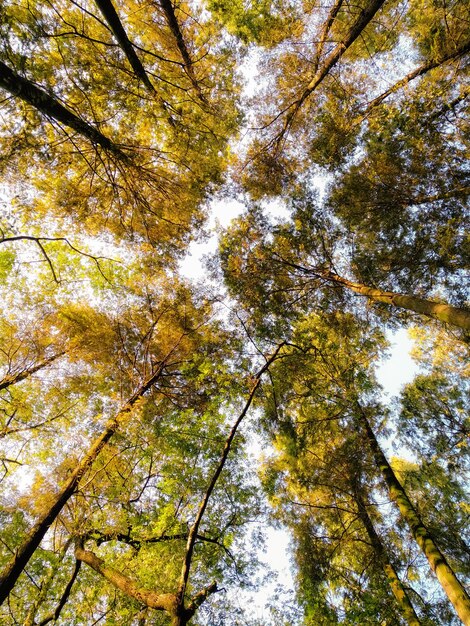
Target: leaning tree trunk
[
  {"x": 20, "y": 559},
  {"x": 172, "y": 21},
  {"x": 16, "y": 378},
  {"x": 398, "y": 590},
  {"x": 36, "y": 97},
  {"x": 442, "y": 312},
  {"x": 365, "y": 16},
  {"x": 444, "y": 573},
  {"x": 112, "y": 18}
]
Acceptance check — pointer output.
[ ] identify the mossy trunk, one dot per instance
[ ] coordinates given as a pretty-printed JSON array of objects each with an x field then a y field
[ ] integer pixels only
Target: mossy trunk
[
  {"x": 398, "y": 590},
  {"x": 442, "y": 312},
  {"x": 444, "y": 573}
]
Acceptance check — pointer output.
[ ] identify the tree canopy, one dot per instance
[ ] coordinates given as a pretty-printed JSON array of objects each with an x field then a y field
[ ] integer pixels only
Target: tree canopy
[{"x": 154, "y": 426}]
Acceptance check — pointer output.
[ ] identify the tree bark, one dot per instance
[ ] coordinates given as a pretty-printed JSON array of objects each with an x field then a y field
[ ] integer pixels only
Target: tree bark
[
  {"x": 366, "y": 15},
  {"x": 398, "y": 590},
  {"x": 169, "y": 602},
  {"x": 444, "y": 573},
  {"x": 112, "y": 18},
  {"x": 22, "y": 554},
  {"x": 16, "y": 378},
  {"x": 170, "y": 16},
  {"x": 158, "y": 601},
  {"x": 442, "y": 312},
  {"x": 48, "y": 105},
  {"x": 324, "y": 32}
]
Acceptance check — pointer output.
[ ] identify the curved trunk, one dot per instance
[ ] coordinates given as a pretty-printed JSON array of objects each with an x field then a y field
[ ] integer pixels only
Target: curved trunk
[
  {"x": 158, "y": 601},
  {"x": 444, "y": 573}
]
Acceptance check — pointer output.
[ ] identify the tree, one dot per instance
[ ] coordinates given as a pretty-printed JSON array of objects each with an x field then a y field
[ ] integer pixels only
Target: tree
[
  {"x": 348, "y": 390},
  {"x": 291, "y": 258},
  {"x": 130, "y": 490},
  {"x": 176, "y": 150},
  {"x": 324, "y": 475}
]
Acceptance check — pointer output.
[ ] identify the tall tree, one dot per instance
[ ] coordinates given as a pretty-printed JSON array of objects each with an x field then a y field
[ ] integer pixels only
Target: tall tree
[
  {"x": 453, "y": 588},
  {"x": 127, "y": 483},
  {"x": 289, "y": 262}
]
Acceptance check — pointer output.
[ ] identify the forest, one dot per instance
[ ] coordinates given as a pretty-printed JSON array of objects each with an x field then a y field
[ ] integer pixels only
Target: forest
[{"x": 154, "y": 427}]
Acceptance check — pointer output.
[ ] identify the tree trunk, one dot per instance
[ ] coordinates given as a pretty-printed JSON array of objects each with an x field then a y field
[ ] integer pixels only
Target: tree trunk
[
  {"x": 170, "y": 16},
  {"x": 112, "y": 18},
  {"x": 171, "y": 603},
  {"x": 398, "y": 590},
  {"x": 158, "y": 601},
  {"x": 193, "y": 531},
  {"x": 366, "y": 15},
  {"x": 22, "y": 554},
  {"x": 444, "y": 573},
  {"x": 442, "y": 312},
  {"x": 16, "y": 378},
  {"x": 48, "y": 105}
]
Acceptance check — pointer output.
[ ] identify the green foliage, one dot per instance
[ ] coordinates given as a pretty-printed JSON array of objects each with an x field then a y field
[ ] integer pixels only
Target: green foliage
[
  {"x": 264, "y": 22},
  {"x": 357, "y": 129}
]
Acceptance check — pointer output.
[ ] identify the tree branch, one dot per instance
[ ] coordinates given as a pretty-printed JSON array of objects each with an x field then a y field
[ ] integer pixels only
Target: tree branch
[
  {"x": 167, "y": 7},
  {"x": 16, "y": 378},
  {"x": 365, "y": 16},
  {"x": 65, "y": 596},
  {"x": 195, "y": 527},
  {"x": 47, "y": 104},
  {"x": 158, "y": 601}
]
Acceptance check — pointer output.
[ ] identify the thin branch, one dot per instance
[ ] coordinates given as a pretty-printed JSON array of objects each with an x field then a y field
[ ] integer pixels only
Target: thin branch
[
  {"x": 365, "y": 16},
  {"x": 195, "y": 527},
  {"x": 16, "y": 378},
  {"x": 419, "y": 71},
  {"x": 65, "y": 596}
]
